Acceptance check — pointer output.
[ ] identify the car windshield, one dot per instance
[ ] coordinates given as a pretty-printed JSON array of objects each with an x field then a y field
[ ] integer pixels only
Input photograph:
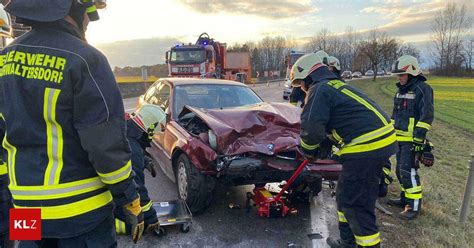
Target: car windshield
[
  {"x": 181, "y": 56},
  {"x": 213, "y": 96}
]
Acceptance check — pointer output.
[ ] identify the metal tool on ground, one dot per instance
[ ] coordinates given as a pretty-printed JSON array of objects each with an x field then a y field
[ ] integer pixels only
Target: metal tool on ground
[
  {"x": 173, "y": 213},
  {"x": 382, "y": 208},
  {"x": 271, "y": 206}
]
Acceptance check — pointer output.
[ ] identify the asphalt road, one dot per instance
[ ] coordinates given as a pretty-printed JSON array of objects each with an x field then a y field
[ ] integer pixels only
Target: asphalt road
[{"x": 221, "y": 226}]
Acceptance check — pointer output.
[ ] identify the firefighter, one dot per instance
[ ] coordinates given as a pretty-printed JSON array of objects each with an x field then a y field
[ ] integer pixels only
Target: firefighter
[
  {"x": 68, "y": 154},
  {"x": 335, "y": 66},
  {"x": 413, "y": 113},
  {"x": 5, "y": 196},
  {"x": 140, "y": 130},
  {"x": 365, "y": 139}
]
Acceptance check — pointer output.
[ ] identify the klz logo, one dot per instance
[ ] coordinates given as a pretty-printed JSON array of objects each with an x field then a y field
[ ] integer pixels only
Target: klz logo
[{"x": 25, "y": 224}]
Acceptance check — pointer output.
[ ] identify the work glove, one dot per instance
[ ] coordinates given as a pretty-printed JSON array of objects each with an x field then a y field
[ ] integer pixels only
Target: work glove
[
  {"x": 418, "y": 145},
  {"x": 134, "y": 215}
]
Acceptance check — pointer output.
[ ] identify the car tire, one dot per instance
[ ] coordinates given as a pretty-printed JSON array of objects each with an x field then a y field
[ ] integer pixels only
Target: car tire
[{"x": 194, "y": 187}]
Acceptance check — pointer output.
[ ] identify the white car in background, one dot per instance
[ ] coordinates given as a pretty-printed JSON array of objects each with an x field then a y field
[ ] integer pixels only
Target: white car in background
[
  {"x": 369, "y": 73},
  {"x": 287, "y": 90}
]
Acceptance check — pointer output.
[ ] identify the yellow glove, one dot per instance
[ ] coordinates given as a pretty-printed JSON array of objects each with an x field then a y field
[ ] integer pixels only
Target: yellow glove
[{"x": 134, "y": 215}]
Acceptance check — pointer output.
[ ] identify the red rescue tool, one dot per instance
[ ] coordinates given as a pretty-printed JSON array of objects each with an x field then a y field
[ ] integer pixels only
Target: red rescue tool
[{"x": 271, "y": 206}]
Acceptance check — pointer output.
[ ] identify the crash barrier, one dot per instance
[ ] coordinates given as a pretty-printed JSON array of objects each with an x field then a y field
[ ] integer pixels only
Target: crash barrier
[
  {"x": 133, "y": 89},
  {"x": 466, "y": 201}
]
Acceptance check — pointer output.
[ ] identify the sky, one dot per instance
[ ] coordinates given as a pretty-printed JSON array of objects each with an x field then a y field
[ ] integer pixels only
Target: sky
[{"x": 234, "y": 21}]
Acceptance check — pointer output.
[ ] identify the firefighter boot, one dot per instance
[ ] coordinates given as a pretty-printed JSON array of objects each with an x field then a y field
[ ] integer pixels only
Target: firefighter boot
[
  {"x": 339, "y": 243},
  {"x": 408, "y": 213},
  {"x": 400, "y": 202}
]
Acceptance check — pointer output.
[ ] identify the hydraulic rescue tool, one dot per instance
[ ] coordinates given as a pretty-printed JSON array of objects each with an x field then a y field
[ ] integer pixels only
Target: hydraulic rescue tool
[{"x": 271, "y": 206}]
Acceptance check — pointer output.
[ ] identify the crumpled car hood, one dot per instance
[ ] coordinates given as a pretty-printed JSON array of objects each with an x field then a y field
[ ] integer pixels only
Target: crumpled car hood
[{"x": 266, "y": 128}]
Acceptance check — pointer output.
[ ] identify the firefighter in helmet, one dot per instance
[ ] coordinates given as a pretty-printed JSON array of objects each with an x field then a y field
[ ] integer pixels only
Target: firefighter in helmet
[
  {"x": 335, "y": 67},
  {"x": 413, "y": 114},
  {"x": 65, "y": 134},
  {"x": 365, "y": 139}
]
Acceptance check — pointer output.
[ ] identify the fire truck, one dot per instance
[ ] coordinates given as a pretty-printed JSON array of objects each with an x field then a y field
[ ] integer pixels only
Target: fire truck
[{"x": 208, "y": 58}]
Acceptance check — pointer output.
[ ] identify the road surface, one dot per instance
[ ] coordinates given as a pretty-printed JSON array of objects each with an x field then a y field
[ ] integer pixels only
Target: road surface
[{"x": 221, "y": 226}]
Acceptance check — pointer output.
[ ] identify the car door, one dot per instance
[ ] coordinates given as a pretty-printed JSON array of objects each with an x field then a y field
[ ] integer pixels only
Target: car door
[{"x": 160, "y": 95}]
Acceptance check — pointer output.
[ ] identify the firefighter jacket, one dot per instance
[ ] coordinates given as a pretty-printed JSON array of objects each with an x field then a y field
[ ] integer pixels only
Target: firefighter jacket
[
  {"x": 335, "y": 109},
  {"x": 297, "y": 95},
  {"x": 413, "y": 110},
  {"x": 65, "y": 133}
]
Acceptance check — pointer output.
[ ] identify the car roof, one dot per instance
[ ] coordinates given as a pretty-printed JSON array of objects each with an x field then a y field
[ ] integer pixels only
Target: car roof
[{"x": 199, "y": 81}]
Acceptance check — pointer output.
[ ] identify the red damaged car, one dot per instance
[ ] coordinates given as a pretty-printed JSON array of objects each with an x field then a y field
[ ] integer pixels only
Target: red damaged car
[{"x": 220, "y": 130}]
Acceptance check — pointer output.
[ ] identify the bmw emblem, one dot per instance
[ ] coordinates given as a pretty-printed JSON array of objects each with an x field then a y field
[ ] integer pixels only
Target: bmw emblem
[{"x": 270, "y": 147}]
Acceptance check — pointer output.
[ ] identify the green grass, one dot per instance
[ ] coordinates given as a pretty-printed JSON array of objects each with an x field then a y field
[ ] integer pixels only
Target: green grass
[{"x": 443, "y": 184}]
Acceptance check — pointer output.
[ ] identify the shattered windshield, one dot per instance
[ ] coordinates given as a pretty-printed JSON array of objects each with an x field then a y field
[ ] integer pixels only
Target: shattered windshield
[{"x": 213, "y": 96}]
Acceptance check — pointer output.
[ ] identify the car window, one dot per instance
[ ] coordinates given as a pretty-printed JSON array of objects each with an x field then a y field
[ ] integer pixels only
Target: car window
[
  {"x": 160, "y": 95},
  {"x": 213, "y": 96},
  {"x": 150, "y": 92}
]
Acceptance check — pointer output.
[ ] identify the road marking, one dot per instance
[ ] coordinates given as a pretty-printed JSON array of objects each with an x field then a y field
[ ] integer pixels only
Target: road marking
[{"x": 319, "y": 224}]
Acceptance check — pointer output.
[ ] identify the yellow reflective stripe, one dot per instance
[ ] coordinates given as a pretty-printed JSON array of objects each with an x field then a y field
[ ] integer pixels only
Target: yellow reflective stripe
[
  {"x": 368, "y": 147},
  {"x": 411, "y": 125},
  {"x": 413, "y": 196},
  {"x": 402, "y": 188},
  {"x": 402, "y": 138},
  {"x": 11, "y": 159},
  {"x": 414, "y": 189},
  {"x": 147, "y": 207},
  {"x": 118, "y": 175},
  {"x": 369, "y": 240},
  {"x": 120, "y": 227},
  {"x": 337, "y": 136},
  {"x": 294, "y": 103},
  {"x": 392, "y": 121},
  {"x": 386, "y": 171},
  {"x": 91, "y": 9},
  {"x": 56, "y": 191},
  {"x": 54, "y": 140},
  {"x": 423, "y": 125},
  {"x": 403, "y": 133},
  {"x": 74, "y": 209},
  {"x": 308, "y": 147},
  {"x": 365, "y": 103},
  {"x": 371, "y": 135},
  {"x": 3, "y": 169},
  {"x": 341, "y": 216},
  {"x": 418, "y": 140}
]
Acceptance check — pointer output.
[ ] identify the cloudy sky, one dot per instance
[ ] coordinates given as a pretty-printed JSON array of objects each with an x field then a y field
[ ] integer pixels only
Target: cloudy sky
[{"x": 238, "y": 20}]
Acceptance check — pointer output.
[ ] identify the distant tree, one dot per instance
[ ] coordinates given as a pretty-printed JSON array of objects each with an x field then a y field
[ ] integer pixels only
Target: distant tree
[{"x": 449, "y": 26}]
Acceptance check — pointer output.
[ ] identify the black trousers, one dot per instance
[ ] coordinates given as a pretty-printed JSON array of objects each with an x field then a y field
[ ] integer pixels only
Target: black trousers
[
  {"x": 407, "y": 174},
  {"x": 357, "y": 191},
  {"x": 101, "y": 236}
]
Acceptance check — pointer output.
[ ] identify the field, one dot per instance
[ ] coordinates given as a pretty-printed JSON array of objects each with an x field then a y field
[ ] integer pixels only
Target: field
[
  {"x": 443, "y": 184},
  {"x": 134, "y": 79}
]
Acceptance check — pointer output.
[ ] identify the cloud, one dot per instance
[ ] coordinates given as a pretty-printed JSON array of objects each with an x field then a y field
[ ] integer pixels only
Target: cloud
[
  {"x": 138, "y": 52},
  {"x": 263, "y": 8},
  {"x": 408, "y": 18}
]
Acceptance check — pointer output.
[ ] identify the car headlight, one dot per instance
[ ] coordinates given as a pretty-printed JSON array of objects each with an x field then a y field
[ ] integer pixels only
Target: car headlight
[{"x": 212, "y": 139}]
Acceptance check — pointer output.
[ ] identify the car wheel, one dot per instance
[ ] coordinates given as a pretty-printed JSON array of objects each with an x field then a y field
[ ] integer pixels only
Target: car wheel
[{"x": 193, "y": 187}]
